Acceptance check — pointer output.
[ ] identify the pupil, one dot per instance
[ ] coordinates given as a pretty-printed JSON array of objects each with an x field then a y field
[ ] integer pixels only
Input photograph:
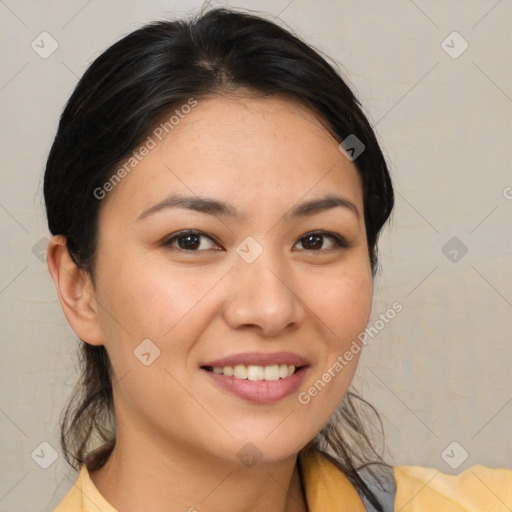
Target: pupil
[
  {"x": 189, "y": 242},
  {"x": 310, "y": 241}
]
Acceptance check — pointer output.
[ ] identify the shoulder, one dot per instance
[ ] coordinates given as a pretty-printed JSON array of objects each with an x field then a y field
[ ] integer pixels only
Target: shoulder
[
  {"x": 409, "y": 488},
  {"x": 84, "y": 496},
  {"x": 478, "y": 488}
]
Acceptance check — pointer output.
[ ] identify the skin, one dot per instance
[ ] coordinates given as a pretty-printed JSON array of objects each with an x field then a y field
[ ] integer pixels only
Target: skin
[{"x": 178, "y": 433}]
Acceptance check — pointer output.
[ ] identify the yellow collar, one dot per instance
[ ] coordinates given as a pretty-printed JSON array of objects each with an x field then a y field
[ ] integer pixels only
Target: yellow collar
[{"x": 326, "y": 487}]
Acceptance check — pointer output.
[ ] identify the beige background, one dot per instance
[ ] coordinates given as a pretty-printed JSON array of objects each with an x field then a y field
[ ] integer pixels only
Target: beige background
[{"x": 440, "y": 371}]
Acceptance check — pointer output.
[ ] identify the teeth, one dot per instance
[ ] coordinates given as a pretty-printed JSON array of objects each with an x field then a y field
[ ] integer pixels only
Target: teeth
[
  {"x": 240, "y": 371},
  {"x": 253, "y": 372},
  {"x": 271, "y": 372}
]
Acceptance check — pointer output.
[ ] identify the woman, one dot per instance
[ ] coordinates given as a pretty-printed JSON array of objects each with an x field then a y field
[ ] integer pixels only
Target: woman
[{"x": 216, "y": 196}]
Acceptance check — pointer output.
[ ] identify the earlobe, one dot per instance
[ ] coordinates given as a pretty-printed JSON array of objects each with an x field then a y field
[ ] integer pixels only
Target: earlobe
[{"x": 75, "y": 291}]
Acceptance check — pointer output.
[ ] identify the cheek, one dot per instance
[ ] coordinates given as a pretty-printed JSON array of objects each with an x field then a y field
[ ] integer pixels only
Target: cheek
[
  {"x": 344, "y": 306},
  {"x": 343, "y": 302},
  {"x": 150, "y": 300},
  {"x": 135, "y": 297}
]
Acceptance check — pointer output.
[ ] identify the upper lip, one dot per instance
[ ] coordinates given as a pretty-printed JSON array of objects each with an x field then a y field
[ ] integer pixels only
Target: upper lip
[{"x": 259, "y": 359}]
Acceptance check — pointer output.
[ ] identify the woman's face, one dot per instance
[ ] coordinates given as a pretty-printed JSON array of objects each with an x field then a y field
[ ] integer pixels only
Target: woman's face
[{"x": 276, "y": 277}]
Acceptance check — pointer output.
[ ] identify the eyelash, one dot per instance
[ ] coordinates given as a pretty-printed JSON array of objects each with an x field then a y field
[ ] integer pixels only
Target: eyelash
[{"x": 339, "y": 241}]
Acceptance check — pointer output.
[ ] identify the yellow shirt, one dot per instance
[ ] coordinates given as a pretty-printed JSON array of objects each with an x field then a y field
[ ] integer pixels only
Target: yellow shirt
[{"x": 418, "y": 489}]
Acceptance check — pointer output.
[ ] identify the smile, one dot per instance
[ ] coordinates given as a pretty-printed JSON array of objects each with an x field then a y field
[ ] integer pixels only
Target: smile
[
  {"x": 255, "y": 373},
  {"x": 249, "y": 387}
]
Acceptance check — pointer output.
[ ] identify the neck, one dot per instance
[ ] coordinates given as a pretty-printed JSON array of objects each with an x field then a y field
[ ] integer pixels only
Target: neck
[{"x": 145, "y": 476}]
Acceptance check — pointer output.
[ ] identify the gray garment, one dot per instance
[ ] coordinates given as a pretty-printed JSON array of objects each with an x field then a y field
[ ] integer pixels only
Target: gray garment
[{"x": 385, "y": 492}]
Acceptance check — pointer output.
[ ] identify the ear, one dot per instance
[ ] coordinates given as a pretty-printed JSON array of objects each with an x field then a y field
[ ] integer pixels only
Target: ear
[{"x": 75, "y": 290}]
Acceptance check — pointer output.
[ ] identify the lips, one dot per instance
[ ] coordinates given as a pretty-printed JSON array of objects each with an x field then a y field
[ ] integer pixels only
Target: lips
[
  {"x": 259, "y": 359},
  {"x": 252, "y": 376}
]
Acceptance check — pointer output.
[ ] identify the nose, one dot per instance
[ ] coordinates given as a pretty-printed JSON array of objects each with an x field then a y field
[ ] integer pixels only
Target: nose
[{"x": 262, "y": 298}]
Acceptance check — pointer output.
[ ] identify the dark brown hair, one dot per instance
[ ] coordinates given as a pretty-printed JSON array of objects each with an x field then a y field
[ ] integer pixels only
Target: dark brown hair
[{"x": 120, "y": 98}]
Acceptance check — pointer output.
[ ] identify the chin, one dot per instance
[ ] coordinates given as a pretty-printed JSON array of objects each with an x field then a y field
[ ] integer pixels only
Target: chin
[{"x": 251, "y": 450}]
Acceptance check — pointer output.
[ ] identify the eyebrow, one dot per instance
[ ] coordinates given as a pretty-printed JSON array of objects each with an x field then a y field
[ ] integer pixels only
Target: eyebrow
[{"x": 218, "y": 208}]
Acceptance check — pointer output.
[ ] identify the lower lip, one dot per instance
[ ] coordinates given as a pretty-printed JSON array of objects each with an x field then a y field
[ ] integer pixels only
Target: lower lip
[{"x": 260, "y": 391}]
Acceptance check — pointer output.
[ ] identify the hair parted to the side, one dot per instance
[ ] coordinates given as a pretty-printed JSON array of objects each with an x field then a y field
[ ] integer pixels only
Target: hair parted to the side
[{"x": 120, "y": 98}]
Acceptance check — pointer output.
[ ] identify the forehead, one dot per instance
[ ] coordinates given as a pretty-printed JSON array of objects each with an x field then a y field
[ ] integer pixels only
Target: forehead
[{"x": 243, "y": 150}]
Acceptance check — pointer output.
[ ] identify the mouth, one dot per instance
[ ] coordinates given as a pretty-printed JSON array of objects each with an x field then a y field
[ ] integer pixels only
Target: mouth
[
  {"x": 268, "y": 373},
  {"x": 256, "y": 377}
]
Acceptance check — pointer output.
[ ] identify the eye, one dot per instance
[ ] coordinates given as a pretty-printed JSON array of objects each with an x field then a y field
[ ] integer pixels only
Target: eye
[
  {"x": 196, "y": 241},
  {"x": 191, "y": 241},
  {"x": 315, "y": 241}
]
